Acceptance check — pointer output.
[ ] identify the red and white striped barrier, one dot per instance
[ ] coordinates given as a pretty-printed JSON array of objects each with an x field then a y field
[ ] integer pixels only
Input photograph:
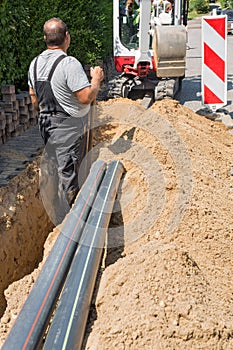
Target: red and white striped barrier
[{"x": 214, "y": 61}]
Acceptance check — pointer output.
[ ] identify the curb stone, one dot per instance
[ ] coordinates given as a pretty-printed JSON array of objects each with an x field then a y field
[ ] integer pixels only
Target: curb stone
[{"x": 220, "y": 116}]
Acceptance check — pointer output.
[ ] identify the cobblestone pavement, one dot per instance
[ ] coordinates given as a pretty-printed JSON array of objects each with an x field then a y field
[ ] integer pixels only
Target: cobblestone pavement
[{"x": 17, "y": 152}]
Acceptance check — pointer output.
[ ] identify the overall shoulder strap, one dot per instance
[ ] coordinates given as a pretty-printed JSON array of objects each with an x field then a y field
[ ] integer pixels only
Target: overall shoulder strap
[
  {"x": 35, "y": 68},
  {"x": 58, "y": 60}
]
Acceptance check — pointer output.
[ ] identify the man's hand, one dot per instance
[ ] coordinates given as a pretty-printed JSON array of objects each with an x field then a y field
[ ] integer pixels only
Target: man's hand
[{"x": 97, "y": 74}]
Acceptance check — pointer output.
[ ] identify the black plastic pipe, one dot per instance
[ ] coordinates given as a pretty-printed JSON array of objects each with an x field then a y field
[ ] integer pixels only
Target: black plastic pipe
[
  {"x": 30, "y": 325},
  {"x": 69, "y": 322}
]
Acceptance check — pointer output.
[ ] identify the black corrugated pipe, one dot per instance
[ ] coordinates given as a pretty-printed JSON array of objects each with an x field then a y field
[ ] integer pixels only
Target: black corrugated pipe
[
  {"x": 30, "y": 325},
  {"x": 69, "y": 322}
]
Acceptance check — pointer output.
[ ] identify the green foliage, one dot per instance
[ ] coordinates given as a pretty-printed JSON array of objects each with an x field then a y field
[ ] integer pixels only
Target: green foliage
[
  {"x": 191, "y": 7},
  {"x": 200, "y": 6},
  {"x": 13, "y": 25},
  {"x": 21, "y": 31},
  {"x": 226, "y": 4}
]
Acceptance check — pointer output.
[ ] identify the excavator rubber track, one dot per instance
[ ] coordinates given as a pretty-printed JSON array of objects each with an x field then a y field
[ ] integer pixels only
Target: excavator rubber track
[
  {"x": 147, "y": 90},
  {"x": 167, "y": 88},
  {"x": 115, "y": 86}
]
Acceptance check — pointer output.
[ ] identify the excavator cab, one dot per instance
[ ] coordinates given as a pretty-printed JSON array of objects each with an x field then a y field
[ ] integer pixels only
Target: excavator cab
[
  {"x": 129, "y": 24},
  {"x": 149, "y": 47}
]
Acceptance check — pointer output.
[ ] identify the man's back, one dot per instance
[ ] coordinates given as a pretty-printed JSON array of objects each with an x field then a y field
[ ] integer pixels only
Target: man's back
[{"x": 68, "y": 77}]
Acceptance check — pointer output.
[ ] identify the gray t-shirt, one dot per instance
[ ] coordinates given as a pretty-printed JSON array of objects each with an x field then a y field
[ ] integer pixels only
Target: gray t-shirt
[{"x": 68, "y": 77}]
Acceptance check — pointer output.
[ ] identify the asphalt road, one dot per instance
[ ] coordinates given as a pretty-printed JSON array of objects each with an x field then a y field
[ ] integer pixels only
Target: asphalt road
[{"x": 191, "y": 87}]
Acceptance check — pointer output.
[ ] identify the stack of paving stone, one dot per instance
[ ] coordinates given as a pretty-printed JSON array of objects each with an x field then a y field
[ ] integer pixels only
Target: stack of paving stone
[
  {"x": 2, "y": 126},
  {"x": 17, "y": 113}
]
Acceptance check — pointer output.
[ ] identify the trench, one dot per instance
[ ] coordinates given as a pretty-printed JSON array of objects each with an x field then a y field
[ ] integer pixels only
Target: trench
[{"x": 24, "y": 227}]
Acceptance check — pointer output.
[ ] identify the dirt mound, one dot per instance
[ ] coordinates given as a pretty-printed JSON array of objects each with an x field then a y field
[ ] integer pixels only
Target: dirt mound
[
  {"x": 167, "y": 281},
  {"x": 159, "y": 298}
]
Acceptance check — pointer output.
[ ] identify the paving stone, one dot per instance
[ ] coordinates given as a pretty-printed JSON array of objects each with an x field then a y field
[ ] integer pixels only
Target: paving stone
[
  {"x": 9, "y": 118},
  {"x": 2, "y": 114},
  {"x": 8, "y": 107},
  {"x": 2, "y": 124},
  {"x": 15, "y": 115},
  {"x": 227, "y": 121},
  {"x": 3, "y": 182},
  {"x": 8, "y": 89},
  {"x": 16, "y": 104},
  {"x": 9, "y": 128},
  {"x": 20, "y": 99},
  {"x": 9, "y": 97},
  {"x": 23, "y": 110}
]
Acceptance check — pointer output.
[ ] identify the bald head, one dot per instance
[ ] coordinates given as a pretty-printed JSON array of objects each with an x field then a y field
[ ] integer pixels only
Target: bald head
[{"x": 55, "y": 32}]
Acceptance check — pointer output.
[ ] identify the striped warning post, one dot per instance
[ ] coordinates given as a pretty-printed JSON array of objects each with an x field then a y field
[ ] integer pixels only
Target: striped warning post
[{"x": 214, "y": 61}]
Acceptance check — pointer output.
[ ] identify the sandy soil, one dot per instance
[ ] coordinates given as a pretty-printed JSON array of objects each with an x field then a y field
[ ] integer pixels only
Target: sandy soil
[{"x": 167, "y": 280}]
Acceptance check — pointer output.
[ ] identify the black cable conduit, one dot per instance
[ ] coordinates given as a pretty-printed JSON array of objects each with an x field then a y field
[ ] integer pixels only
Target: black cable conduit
[
  {"x": 30, "y": 325},
  {"x": 69, "y": 322}
]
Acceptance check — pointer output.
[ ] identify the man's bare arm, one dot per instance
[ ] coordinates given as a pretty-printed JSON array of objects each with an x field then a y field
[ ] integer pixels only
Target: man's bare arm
[
  {"x": 34, "y": 98},
  {"x": 88, "y": 94}
]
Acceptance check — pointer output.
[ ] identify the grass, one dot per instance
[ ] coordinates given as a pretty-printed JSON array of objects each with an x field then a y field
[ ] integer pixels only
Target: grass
[{"x": 194, "y": 14}]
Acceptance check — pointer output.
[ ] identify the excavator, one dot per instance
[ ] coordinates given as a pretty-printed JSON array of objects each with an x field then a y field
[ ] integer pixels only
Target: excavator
[{"x": 149, "y": 43}]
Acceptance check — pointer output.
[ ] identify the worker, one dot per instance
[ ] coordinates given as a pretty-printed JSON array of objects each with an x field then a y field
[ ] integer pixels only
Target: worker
[
  {"x": 167, "y": 5},
  {"x": 129, "y": 7},
  {"x": 132, "y": 13},
  {"x": 60, "y": 90}
]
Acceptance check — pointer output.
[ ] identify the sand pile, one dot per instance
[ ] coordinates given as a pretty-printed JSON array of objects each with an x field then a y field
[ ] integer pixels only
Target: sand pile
[{"x": 167, "y": 280}]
